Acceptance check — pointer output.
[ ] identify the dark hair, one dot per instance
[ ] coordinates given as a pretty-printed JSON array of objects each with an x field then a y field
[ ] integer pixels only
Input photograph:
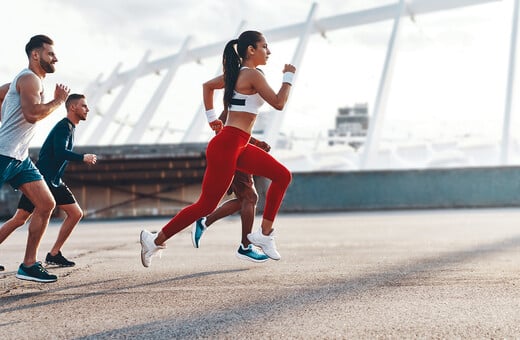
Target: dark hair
[
  {"x": 72, "y": 97},
  {"x": 232, "y": 60},
  {"x": 37, "y": 42}
]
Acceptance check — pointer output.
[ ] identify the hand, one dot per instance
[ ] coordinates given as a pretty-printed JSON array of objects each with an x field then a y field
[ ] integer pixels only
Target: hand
[
  {"x": 61, "y": 92},
  {"x": 89, "y": 158},
  {"x": 263, "y": 145},
  {"x": 289, "y": 68},
  {"x": 216, "y": 125}
]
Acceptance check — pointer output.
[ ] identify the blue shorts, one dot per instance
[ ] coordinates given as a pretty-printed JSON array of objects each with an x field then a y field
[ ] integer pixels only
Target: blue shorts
[{"x": 16, "y": 172}]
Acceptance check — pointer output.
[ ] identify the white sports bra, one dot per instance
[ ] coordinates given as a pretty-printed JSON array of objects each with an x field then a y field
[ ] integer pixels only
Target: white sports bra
[{"x": 246, "y": 102}]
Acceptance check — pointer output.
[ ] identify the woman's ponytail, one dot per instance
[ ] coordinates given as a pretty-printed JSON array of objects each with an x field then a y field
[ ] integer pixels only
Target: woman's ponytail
[
  {"x": 231, "y": 63},
  {"x": 232, "y": 60}
]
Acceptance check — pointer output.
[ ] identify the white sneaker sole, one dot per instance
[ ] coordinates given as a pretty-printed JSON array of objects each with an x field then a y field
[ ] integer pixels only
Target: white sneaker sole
[
  {"x": 250, "y": 259},
  {"x": 143, "y": 257},
  {"x": 30, "y": 278}
]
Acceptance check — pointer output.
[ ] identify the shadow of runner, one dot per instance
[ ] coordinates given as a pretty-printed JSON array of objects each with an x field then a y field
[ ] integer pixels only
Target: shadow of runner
[
  {"x": 219, "y": 323},
  {"x": 6, "y": 287},
  {"x": 117, "y": 290}
]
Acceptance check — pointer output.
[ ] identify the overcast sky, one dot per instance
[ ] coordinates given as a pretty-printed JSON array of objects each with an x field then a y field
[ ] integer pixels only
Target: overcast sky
[{"x": 450, "y": 70}]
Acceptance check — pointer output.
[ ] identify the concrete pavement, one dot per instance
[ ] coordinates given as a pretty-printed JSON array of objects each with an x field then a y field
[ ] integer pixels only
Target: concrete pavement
[{"x": 396, "y": 274}]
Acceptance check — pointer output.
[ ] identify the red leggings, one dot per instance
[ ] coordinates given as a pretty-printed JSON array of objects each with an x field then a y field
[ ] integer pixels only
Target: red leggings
[{"x": 228, "y": 151}]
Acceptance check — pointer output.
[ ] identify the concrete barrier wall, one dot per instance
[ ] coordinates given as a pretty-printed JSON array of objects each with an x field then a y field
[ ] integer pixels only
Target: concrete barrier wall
[
  {"x": 328, "y": 191},
  {"x": 404, "y": 189}
]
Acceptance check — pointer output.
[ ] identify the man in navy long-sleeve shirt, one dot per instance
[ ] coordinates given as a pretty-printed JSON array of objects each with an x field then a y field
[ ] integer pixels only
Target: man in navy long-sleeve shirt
[{"x": 54, "y": 155}]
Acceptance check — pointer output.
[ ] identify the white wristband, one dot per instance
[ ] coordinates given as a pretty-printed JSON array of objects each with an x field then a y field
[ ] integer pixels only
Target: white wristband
[
  {"x": 211, "y": 115},
  {"x": 288, "y": 77}
]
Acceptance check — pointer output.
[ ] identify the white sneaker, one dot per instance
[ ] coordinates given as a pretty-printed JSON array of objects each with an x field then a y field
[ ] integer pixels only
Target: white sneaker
[
  {"x": 265, "y": 242},
  {"x": 148, "y": 247}
]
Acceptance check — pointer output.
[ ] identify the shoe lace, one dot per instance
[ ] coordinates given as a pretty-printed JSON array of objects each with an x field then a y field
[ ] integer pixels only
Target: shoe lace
[
  {"x": 257, "y": 252},
  {"x": 41, "y": 268}
]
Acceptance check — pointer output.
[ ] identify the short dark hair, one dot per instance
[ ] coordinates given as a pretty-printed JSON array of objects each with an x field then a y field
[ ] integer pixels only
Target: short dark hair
[
  {"x": 37, "y": 42},
  {"x": 72, "y": 97}
]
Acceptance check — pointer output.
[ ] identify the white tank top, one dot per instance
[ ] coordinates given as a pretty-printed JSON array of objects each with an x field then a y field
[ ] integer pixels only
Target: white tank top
[
  {"x": 16, "y": 132},
  {"x": 246, "y": 102}
]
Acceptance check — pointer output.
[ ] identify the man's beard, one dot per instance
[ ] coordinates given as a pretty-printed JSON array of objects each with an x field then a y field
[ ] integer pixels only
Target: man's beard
[{"x": 47, "y": 67}]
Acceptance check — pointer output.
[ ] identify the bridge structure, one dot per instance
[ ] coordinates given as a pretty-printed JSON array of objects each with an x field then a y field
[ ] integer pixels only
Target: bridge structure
[
  {"x": 139, "y": 179},
  {"x": 140, "y": 123}
]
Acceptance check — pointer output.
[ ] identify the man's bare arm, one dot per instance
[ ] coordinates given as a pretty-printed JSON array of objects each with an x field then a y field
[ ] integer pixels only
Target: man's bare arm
[
  {"x": 3, "y": 92},
  {"x": 33, "y": 109}
]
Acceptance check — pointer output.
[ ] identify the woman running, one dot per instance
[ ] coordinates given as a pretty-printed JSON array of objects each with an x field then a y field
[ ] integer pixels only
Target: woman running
[{"x": 245, "y": 90}]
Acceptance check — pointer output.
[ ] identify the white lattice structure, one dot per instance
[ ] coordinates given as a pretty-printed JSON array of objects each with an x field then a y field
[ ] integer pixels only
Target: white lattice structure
[{"x": 168, "y": 66}]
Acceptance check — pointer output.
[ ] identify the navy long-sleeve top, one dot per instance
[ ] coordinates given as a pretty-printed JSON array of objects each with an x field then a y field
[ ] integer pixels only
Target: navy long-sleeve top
[{"x": 56, "y": 152}]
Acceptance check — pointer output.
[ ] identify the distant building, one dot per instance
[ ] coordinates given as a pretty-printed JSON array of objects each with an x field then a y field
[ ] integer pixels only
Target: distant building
[{"x": 351, "y": 125}]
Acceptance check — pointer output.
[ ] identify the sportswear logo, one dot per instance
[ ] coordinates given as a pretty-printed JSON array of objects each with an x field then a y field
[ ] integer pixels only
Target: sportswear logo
[{"x": 239, "y": 102}]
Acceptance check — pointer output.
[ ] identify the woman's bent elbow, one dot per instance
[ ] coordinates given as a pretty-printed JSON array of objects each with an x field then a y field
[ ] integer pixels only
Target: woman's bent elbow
[{"x": 279, "y": 106}]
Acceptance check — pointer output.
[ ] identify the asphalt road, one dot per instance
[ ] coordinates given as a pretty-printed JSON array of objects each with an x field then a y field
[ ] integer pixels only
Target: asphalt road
[{"x": 400, "y": 274}]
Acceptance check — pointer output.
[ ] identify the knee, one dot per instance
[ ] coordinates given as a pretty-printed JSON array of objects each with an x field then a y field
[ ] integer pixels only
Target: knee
[
  {"x": 250, "y": 197},
  {"x": 285, "y": 178},
  {"x": 44, "y": 206},
  {"x": 76, "y": 214}
]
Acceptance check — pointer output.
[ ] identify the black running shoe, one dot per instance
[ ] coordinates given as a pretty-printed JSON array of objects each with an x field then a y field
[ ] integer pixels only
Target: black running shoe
[
  {"x": 36, "y": 273},
  {"x": 2, "y": 268},
  {"x": 58, "y": 260}
]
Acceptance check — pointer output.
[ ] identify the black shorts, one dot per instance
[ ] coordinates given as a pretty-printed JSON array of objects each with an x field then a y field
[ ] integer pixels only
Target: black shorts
[{"x": 62, "y": 195}]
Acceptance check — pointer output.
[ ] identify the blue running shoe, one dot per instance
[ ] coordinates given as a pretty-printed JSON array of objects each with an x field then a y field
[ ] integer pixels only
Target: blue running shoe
[
  {"x": 251, "y": 253},
  {"x": 198, "y": 229},
  {"x": 36, "y": 273}
]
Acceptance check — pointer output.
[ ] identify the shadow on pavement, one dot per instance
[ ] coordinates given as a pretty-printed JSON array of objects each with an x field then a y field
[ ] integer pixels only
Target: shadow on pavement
[{"x": 219, "y": 323}]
